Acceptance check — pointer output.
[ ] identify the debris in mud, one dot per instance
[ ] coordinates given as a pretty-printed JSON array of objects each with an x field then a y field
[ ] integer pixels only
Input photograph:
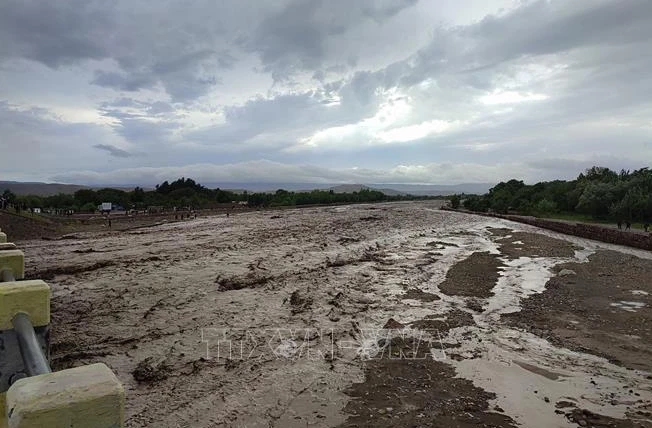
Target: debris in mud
[
  {"x": 441, "y": 244},
  {"x": 275, "y": 217},
  {"x": 418, "y": 294},
  {"x": 338, "y": 262},
  {"x": 86, "y": 251},
  {"x": 586, "y": 418},
  {"x": 474, "y": 304},
  {"x": 392, "y": 324},
  {"x": 370, "y": 218},
  {"x": 563, "y": 404},
  {"x": 50, "y": 273},
  {"x": 434, "y": 324},
  {"x": 371, "y": 254},
  {"x": 566, "y": 272},
  {"x": 335, "y": 301},
  {"x": 298, "y": 303},
  {"x": 347, "y": 240},
  {"x": 147, "y": 372},
  {"x": 251, "y": 280}
]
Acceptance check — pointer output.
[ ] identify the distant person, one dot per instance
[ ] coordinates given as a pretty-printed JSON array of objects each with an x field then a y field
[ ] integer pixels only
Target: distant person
[
  {"x": 628, "y": 225},
  {"x": 109, "y": 223},
  {"x": 646, "y": 227},
  {"x": 620, "y": 224}
]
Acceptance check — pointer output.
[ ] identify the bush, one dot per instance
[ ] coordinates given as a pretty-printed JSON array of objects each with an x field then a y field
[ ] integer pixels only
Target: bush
[{"x": 455, "y": 201}]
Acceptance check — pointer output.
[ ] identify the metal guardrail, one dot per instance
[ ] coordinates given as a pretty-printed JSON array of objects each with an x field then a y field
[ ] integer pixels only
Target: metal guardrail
[
  {"x": 30, "y": 357},
  {"x": 31, "y": 395}
]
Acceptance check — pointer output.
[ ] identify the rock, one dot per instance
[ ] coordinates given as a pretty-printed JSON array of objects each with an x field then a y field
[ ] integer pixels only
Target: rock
[{"x": 566, "y": 272}]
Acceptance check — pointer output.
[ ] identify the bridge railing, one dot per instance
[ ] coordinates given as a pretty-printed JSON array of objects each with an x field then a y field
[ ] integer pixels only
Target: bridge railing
[{"x": 31, "y": 395}]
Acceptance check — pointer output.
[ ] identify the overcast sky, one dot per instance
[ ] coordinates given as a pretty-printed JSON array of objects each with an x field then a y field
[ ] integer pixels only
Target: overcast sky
[{"x": 364, "y": 91}]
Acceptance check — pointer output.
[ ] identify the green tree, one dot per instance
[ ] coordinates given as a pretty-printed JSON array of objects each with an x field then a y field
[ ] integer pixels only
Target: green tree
[{"x": 455, "y": 201}]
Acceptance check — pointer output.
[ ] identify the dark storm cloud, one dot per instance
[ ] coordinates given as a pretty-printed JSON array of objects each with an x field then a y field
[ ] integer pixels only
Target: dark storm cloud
[
  {"x": 124, "y": 82},
  {"x": 64, "y": 33},
  {"x": 55, "y": 33},
  {"x": 113, "y": 151},
  {"x": 295, "y": 37}
]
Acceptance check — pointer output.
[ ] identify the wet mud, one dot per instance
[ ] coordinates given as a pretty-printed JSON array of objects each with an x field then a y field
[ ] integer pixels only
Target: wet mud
[{"x": 368, "y": 315}]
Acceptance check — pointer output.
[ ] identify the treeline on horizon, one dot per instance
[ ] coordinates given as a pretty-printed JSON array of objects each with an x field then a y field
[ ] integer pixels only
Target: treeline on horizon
[
  {"x": 598, "y": 192},
  {"x": 185, "y": 192}
]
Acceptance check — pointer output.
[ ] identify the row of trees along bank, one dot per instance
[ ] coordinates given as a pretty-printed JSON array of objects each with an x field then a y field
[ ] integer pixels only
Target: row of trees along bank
[
  {"x": 186, "y": 192},
  {"x": 598, "y": 192}
]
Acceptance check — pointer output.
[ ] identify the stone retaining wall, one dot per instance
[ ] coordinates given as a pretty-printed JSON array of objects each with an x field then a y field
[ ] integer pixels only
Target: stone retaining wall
[{"x": 583, "y": 230}]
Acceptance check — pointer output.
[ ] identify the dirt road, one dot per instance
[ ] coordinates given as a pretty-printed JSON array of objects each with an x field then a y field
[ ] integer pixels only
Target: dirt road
[{"x": 366, "y": 315}]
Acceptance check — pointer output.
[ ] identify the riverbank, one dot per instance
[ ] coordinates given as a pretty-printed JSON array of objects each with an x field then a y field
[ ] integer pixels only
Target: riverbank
[{"x": 598, "y": 232}]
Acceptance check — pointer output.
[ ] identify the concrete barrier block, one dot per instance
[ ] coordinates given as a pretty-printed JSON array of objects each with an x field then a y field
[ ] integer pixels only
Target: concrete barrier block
[
  {"x": 14, "y": 260},
  {"x": 82, "y": 397},
  {"x": 7, "y": 246},
  {"x": 3, "y": 410},
  {"x": 30, "y": 297},
  {"x": 3, "y": 237}
]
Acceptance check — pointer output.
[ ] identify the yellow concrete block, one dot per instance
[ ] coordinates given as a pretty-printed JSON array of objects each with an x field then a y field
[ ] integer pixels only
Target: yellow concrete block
[
  {"x": 3, "y": 237},
  {"x": 14, "y": 260},
  {"x": 82, "y": 397},
  {"x": 3, "y": 410},
  {"x": 31, "y": 297}
]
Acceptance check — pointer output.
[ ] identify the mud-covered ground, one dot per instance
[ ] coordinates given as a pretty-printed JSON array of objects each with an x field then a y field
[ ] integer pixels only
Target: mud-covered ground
[{"x": 366, "y": 315}]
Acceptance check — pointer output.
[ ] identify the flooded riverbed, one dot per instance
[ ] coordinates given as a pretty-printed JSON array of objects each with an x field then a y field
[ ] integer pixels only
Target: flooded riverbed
[{"x": 288, "y": 318}]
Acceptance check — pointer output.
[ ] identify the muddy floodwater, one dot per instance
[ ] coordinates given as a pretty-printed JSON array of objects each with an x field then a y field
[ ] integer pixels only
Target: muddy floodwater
[{"x": 376, "y": 315}]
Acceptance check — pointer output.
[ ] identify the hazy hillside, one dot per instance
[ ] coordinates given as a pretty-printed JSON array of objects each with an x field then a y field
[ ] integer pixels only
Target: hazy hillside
[
  {"x": 40, "y": 189},
  {"x": 417, "y": 189},
  {"x": 48, "y": 189},
  {"x": 439, "y": 189},
  {"x": 348, "y": 188}
]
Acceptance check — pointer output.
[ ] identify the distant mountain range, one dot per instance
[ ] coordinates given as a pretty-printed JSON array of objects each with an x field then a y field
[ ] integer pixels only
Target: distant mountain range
[
  {"x": 48, "y": 189},
  {"x": 387, "y": 188},
  {"x": 40, "y": 189}
]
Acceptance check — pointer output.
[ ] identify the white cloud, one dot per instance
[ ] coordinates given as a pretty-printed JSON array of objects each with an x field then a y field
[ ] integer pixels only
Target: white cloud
[{"x": 510, "y": 97}]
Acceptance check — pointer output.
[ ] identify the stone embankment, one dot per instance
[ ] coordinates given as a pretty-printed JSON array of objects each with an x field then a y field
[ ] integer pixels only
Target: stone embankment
[{"x": 596, "y": 232}]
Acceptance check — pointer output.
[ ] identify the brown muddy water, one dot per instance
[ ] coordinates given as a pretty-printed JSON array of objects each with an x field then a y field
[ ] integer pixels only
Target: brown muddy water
[{"x": 366, "y": 315}]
